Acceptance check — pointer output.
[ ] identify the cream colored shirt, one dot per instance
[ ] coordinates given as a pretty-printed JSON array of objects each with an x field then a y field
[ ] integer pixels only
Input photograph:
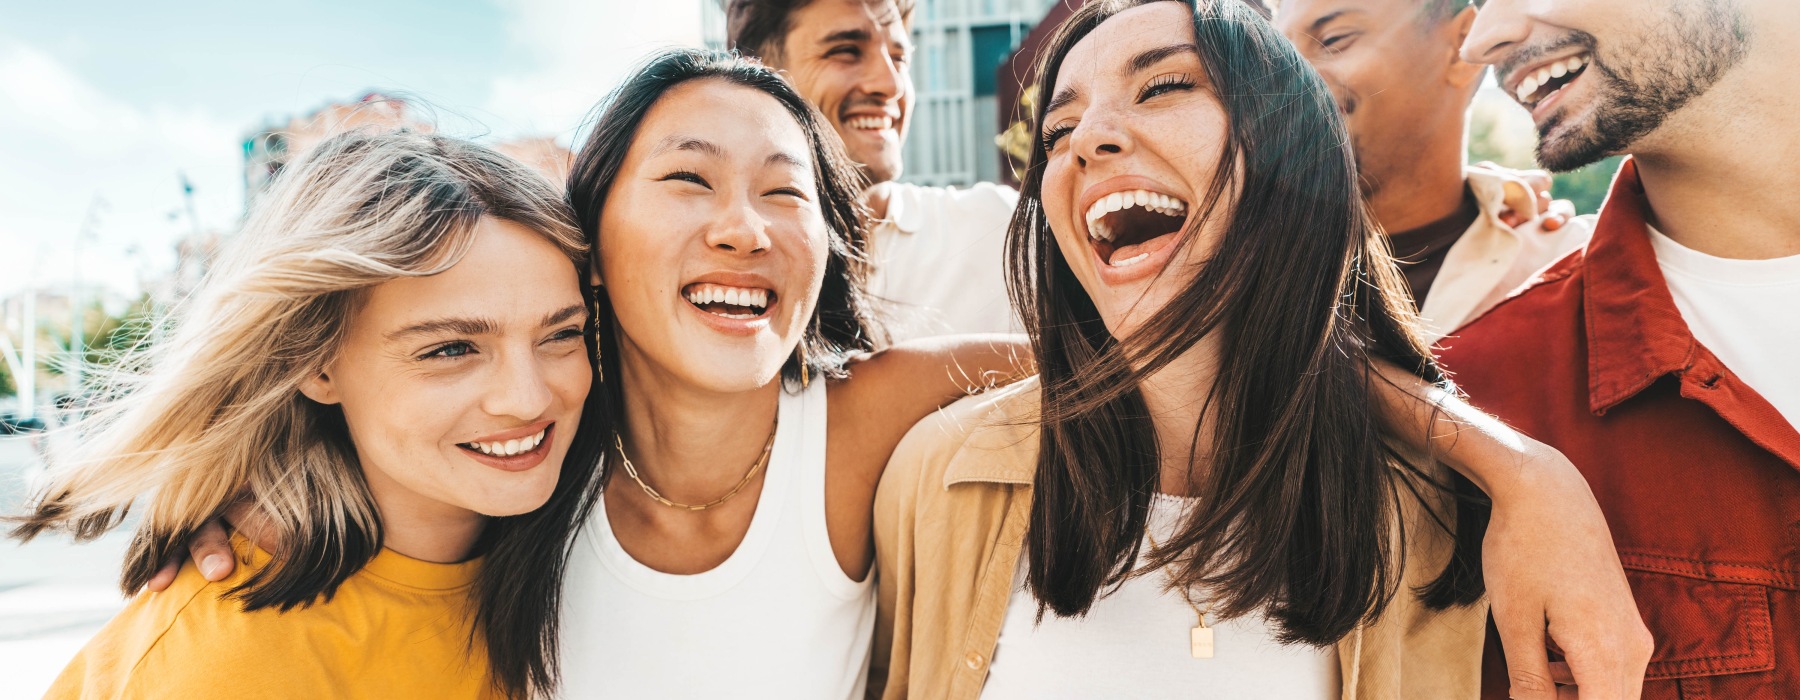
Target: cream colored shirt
[
  {"x": 940, "y": 260},
  {"x": 1492, "y": 259},
  {"x": 950, "y": 522}
]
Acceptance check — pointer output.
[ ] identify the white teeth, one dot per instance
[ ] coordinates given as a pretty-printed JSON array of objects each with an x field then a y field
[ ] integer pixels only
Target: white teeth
[
  {"x": 509, "y": 448},
  {"x": 702, "y": 294},
  {"x": 1153, "y": 201},
  {"x": 1133, "y": 260},
  {"x": 1558, "y": 69},
  {"x": 867, "y": 122},
  {"x": 1526, "y": 88},
  {"x": 1542, "y": 76}
]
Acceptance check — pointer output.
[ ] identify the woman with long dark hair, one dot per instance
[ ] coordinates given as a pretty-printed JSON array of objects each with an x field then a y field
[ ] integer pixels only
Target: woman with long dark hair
[{"x": 1194, "y": 497}]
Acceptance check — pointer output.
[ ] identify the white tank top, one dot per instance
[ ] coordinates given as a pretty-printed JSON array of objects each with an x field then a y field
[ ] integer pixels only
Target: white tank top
[
  {"x": 777, "y": 619},
  {"x": 1135, "y": 643}
]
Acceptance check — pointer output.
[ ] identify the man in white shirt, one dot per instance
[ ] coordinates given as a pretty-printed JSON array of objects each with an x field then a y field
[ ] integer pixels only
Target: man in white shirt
[
  {"x": 1463, "y": 240},
  {"x": 939, "y": 252}
]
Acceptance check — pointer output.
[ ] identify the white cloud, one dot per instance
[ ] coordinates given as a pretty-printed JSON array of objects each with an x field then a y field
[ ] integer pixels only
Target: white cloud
[
  {"x": 580, "y": 49},
  {"x": 65, "y": 145}
]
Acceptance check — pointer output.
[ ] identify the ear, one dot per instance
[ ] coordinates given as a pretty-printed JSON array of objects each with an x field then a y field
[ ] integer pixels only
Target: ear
[
  {"x": 1462, "y": 73},
  {"x": 320, "y": 388},
  {"x": 594, "y": 279}
]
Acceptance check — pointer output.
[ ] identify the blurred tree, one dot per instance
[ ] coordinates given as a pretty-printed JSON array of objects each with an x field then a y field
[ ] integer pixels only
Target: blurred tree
[
  {"x": 1501, "y": 132},
  {"x": 6, "y": 381}
]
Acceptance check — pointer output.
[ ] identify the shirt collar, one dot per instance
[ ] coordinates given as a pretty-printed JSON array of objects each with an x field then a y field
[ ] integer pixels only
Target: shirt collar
[
  {"x": 1002, "y": 447},
  {"x": 1635, "y": 334},
  {"x": 905, "y": 213}
]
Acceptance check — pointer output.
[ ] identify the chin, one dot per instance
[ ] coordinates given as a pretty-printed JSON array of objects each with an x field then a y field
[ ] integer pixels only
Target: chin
[{"x": 504, "y": 502}]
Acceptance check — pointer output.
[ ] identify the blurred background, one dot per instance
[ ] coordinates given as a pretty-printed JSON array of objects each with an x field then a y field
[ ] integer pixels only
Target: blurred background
[{"x": 134, "y": 135}]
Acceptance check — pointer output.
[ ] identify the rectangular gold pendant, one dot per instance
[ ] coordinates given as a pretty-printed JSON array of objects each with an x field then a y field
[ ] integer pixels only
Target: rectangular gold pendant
[{"x": 1203, "y": 642}]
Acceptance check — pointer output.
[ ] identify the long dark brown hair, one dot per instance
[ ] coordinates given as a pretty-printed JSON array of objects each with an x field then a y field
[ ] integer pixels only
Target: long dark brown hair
[
  {"x": 1298, "y": 487},
  {"x": 840, "y": 327}
]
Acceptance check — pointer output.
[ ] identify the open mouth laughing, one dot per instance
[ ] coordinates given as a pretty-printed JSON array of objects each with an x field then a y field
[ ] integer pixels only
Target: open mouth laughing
[
  {"x": 1540, "y": 85},
  {"x": 1127, "y": 228}
]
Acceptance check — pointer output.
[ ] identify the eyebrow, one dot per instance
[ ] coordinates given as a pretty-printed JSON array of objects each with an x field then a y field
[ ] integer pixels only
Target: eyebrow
[
  {"x": 1137, "y": 63},
  {"x": 480, "y": 326},
  {"x": 689, "y": 143},
  {"x": 457, "y": 326},
  {"x": 1154, "y": 56},
  {"x": 1322, "y": 21},
  {"x": 857, "y": 34},
  {"x": 563, "y": 314}
]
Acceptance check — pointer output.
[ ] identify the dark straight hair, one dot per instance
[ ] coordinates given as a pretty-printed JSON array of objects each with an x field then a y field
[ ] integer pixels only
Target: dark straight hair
[
  {"x": 841, "y": 326},
  {"x": 1299, "y": 489}
]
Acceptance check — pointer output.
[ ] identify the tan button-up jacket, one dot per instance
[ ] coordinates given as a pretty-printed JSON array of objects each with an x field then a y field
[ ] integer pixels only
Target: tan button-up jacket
[{"x": 950, "y": 521}]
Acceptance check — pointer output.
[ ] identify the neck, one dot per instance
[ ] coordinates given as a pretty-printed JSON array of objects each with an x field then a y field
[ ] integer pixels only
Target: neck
[
  {"x": 1716, "y": 174},
  {"x": 1428, "y": 189},
  {"x": 1175, "y": 396},
  {"x": 421, "y": 527},
  {"x": 689, "y": 443}
]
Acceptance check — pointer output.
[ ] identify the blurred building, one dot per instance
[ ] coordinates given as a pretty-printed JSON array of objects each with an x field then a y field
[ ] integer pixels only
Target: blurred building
[
  {"x": 271, "y": 148},
  {"x": 959, "y": 48}
]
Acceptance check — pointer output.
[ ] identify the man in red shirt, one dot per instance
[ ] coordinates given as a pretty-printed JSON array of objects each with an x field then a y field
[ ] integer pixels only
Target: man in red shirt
[{"x": 1658, "y": 358}]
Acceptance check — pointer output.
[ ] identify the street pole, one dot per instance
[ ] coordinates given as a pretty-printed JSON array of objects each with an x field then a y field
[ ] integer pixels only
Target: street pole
[
  {"x": 77, "y": 314},
  {"x": 28, "y": 378}
]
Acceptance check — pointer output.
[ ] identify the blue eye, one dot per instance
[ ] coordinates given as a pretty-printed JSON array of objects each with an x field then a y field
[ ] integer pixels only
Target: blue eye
[{"x": 450, "y": 350}]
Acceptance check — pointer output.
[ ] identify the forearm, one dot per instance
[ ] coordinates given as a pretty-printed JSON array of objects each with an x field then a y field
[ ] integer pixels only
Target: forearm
[{"x": 1499, "y": 460}]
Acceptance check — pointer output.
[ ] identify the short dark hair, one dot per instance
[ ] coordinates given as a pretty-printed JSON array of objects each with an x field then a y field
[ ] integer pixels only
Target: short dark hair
[{"x": 758, "y": 27}]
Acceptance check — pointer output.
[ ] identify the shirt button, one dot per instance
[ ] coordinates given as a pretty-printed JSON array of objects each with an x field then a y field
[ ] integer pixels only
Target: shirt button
[{"x": 974, "y": 661}]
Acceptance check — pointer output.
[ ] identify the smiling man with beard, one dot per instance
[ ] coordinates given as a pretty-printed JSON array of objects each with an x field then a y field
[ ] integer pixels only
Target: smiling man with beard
[
  {"x": 937, "y": 251},
  {"x": 1393, "y": 67},
  {"x": 1657, "y": 360}
]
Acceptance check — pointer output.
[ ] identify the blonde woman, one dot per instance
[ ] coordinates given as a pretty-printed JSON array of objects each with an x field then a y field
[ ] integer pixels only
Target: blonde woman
[{"x": 386, "y": 372}]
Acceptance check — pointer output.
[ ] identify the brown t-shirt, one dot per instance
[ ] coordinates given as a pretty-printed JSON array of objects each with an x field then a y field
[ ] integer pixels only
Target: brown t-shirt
[{"x": 1421, "y": 251}]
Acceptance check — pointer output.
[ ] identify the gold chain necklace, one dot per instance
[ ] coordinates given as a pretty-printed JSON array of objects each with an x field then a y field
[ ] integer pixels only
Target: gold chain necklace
[
  {"x": 762, "y": 460},
  {"x": 1200, "y": 639}
]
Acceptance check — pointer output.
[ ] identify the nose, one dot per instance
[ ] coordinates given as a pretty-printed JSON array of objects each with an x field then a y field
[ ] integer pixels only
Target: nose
[
  {"x": 1099, "y": 136},
  {"x": 1500, "y": 25},
  {"x": 881, "y": 76},
  {"x": 520, "y": 388},
  {"x": 738, "y": 228}
]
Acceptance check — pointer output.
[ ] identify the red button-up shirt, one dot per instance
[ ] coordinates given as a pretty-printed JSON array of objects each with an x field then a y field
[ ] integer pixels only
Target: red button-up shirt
[{"x": 1699, "y": 476}]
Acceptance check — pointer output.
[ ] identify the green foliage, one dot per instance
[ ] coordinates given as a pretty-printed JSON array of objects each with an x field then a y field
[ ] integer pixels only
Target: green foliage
[
  {"x": 1501, "y": 132},
  {"x": 7, "y": 387}
]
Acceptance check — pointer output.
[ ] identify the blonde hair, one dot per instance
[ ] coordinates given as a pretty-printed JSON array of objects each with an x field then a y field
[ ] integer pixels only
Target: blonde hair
[{"x": 212, "y": 413}]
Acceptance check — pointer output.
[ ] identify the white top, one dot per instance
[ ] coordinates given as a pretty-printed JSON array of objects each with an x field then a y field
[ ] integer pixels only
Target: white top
[
  {"x": 1747, "y": 312},
  {"x": 778, "y": 619},
  {"x": 1134, "y": 643},
  {"x": 1491, "y": 259},
  {"x": 940, "y": 260}
]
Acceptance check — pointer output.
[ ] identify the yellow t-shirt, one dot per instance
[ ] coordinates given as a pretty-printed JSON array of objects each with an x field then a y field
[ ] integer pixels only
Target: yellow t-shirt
[{"x": 399, "y": 628}]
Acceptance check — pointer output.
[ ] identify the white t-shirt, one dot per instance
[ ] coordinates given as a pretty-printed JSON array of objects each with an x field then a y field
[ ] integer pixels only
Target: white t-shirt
[
  {"x": 1134, "y": 643},
  {"x": 1747, "y": 312},
  {"x": 940, "y": 260}
]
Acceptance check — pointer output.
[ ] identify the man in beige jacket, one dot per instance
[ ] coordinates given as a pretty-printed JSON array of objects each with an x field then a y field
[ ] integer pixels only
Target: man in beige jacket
[{"x": 1463, "y": 240}]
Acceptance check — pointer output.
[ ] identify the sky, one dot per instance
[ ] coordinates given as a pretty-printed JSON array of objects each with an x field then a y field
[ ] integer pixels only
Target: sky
[{"x": 106, "y": 106}]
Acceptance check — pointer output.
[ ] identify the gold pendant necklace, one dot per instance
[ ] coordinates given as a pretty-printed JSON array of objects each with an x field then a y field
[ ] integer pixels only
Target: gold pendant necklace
[
  {"x": 761, "y": 461},
  {"x": 1200, "y": 638}
]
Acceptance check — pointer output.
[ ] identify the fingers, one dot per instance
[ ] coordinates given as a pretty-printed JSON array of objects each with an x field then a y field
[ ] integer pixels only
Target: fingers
[
  {"x": 1527, "y": 661},
  {"x": 210, "y": 549},
  {"x": 164, "y": 576}
]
